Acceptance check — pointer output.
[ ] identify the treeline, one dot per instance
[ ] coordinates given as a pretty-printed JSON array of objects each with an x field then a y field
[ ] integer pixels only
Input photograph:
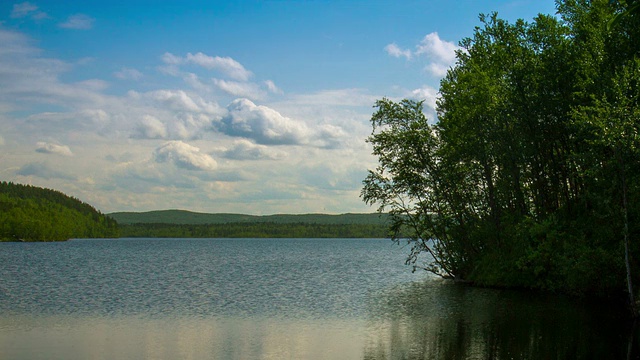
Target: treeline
[
  {"x": 254, "y": 230},
  {"x": 530, "y": 177},
  {"x": 30, "y": 213}
]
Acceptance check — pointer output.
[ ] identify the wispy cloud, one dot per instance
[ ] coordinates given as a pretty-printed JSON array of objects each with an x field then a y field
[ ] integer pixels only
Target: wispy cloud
[
  {"x": 49, "y": 148},
  {"x": 78, "y": 22},
  {"x": 128, "y": 74},
  {"x": 27, "y": 9}
]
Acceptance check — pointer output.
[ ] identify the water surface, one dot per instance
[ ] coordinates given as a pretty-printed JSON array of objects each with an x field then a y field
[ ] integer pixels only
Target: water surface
[{"x": 275, "y": 299}]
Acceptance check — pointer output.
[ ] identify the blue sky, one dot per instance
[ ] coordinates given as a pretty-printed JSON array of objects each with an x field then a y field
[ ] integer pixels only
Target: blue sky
[{"x": 255, "y": 107}]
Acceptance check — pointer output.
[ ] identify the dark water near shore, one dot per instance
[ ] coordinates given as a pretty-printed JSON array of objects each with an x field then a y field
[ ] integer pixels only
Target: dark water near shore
[{"x": 277, "y": 299}]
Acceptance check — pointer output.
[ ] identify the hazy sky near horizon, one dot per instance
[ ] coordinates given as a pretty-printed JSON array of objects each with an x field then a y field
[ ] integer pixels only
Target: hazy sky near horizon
[{"x": 255, "y": 107}]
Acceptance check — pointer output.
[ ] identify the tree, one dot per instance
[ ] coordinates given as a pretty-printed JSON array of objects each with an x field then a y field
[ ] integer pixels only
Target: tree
[{"x": 533, "y": 163}]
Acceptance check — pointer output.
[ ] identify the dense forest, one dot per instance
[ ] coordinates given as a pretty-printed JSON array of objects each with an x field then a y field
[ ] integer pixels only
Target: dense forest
[
  {"x": 254, "y": 230},
  {"x": 30, "y": 213},
  {"x": 530, "y": 176}
]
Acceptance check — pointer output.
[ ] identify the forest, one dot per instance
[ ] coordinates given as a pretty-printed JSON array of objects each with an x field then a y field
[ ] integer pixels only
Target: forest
[
  {"x": 30, "y": 213},
  {"x": 530, "y": 175}
]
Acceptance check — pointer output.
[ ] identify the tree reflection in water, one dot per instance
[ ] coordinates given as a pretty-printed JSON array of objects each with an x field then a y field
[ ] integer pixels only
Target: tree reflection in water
[{"x": 442, "y": 320}]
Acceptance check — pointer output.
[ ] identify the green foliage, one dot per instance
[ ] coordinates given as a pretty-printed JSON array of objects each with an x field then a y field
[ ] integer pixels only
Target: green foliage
[
  {"x": 30, "y": 213},
  {"x": 531, "y": 175}
]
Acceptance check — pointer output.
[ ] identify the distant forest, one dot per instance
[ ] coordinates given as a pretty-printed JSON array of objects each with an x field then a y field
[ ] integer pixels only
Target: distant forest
[
  {"x": 30, "y": 213},
  {"x": 186, "y": 224},
  {"x": 255, "y": 230}
]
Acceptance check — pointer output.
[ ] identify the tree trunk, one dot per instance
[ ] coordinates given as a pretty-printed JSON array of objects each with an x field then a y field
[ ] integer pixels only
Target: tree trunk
[{"x": 632, "y": 303}]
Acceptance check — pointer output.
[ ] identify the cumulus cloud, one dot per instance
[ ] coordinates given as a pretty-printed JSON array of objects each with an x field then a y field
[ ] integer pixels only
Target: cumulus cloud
[
  {"x": 243, "y": 149},
  {"x": 43, "y": 171},
  {"x": 27, "y": 9},
  {"x": 49, "y": 148},
  {"x": 78, "y": 22},
  {"x": 184, "y": 156},
  {"x": 440, "y": 54},
  {"x": 225, "y": 65},
  {"x": 150, "y": 128},
  {"x": 262, "y": 124},
  {"x": 128, "y": 74}
]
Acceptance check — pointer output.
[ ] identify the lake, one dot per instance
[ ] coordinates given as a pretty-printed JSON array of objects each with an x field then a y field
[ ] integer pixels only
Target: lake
[{"x": 277, "y": 299}]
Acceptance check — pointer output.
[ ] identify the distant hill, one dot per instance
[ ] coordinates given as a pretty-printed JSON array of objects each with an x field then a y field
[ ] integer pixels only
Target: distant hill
[
  {"x": 31, "y": 213},
  {"x": 183, "y": 217}
]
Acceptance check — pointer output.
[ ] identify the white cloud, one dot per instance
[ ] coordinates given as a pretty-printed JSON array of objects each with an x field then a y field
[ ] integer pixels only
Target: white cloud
[
  {"x": 262, "y": 124},
  {"x": 49, "y": 148},
  {"x": 78, "y": 22},
  {"x": 440, "y": 54},
  {"x": 151, "y": 128},
  {"x": 225, "y": 65},
  {"x": 25, "y": 9},
  {"x": 395, "y": 51},
  {"x": 243, "y": 149},
  {"x": 128, "y": 74},
  {"x": 437, "y": 49},
  {"x": 184, "y": 156}
]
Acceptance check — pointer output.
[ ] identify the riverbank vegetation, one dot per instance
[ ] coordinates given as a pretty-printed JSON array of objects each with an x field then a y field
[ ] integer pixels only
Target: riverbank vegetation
[
  {"x": 30, "y": 213},
  {"x": 530, "y": 176}
]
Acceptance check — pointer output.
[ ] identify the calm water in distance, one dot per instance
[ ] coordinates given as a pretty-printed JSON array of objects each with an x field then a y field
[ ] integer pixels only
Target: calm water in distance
[{"x": 277, "y": 299}]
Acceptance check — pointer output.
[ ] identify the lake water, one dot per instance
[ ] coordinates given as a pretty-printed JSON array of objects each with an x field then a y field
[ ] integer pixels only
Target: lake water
[{"x": 277, "y": 299}]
